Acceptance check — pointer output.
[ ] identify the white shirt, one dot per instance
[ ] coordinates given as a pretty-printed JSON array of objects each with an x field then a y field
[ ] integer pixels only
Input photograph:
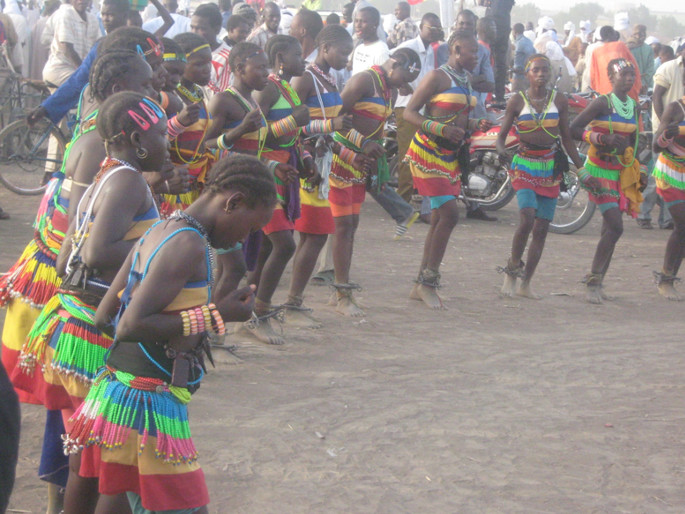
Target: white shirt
[
  {"x": 181, "y": 25},
  {"x": 366, "y": 56},
  {"x": 427, "y": 57},
  {"x": 340, "y": 76}
]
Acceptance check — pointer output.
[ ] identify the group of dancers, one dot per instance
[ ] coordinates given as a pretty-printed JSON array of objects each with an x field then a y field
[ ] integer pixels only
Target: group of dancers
[{"x": 165, "y": 201}]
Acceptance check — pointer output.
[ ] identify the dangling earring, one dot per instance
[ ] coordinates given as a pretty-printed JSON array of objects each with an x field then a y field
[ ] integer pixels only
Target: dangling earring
[
  {"x": 141, "y": 153},
  {"x": 280, "y": 71}
]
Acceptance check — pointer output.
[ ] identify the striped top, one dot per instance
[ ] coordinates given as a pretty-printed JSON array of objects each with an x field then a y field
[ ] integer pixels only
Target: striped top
[
  {"x": 611, "y": 123},
  {"x": 251, "y": 142},
  {"x": 192, "y": 137},
  {"x": 532, "y": 121},
  {"x": 332, "y": 105},
  {"x": 454, "y": 99},
  {"x": 282, "y": 109}
]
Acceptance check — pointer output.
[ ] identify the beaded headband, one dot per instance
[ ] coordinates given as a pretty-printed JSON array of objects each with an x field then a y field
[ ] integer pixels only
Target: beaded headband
[
  {"x": 197, "y": 49},
  {"x": 155, "y": 48},
  {"x": 621, "y": 64},
  {"x": 537, "y": 58},
  {"x": 150, "y": 108},
  {"x": 174, "y": 57}
]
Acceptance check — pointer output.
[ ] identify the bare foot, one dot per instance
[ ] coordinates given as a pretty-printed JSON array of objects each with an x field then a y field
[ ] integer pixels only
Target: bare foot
[
  {"x": 509, "y": 286},
  {"x": 669, "y": 292},
  {"x": 525, "y": 291},
  {"x": 262, "y": 331},
  {"x": 606, "y": 297},
  {"x": 594, "y": 295},
  {"x": 414, "y": 293},
  {"x": 301, "y": 318},
  {"x": 429, "y": 296},
  {"x": 346, "y": 306}
]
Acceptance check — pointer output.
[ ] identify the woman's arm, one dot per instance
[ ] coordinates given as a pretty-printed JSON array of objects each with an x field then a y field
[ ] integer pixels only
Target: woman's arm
[
  {"x": 514, "y": 106},
  {"x": 668, "y": 127},
  {"x": 86, "y": 164},
  {"x": 596, "y": 108},
  {"x": 109, "y": 306},
  {"x": 565, "y": 132},
  {"x": 166, "y": 18}
]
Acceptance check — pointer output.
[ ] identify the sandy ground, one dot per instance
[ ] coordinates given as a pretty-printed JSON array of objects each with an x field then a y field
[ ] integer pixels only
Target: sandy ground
[{"x": 498, "y": 405}]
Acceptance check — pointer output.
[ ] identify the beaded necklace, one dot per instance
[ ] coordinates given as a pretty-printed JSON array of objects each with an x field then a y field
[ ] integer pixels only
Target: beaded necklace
[
  {"x": 379, "y": 73},
  {"x": 179, "y": 215},
  {"x": 109, "y": 163},
  {"x": 637, "y": 129},
  {"x": 623, "y": 109},
  {"x": 326, "y": 76},
  {"x": 248, "y": 106},
  {"x": 291, "y": 97},
  {"x": 194, "y": 96},
  {"x": 538, "y": 117},
  {"x": 462, "y": 80}
]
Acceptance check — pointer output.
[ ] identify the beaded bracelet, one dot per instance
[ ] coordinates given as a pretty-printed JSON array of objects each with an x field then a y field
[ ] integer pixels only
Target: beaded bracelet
[
  {"x": 586, "y": 136},
  {"x": 221, "y": 143},
  {"x": 219, "y": 326},
  {"x": 186, "y": 323},
  {"x": 347, "y": 155},
  {"x": 201, "y": 326},
  {"x": 663, "y": 141},
  {"x": 284, "y": 126},
  {"x": 433, "y": 127},
  {"x": 356, "y": 138},
  {"x": 175, "y": 128},
  {"x": 207, "y": 317},
  {"x": 319, "y": 127}
]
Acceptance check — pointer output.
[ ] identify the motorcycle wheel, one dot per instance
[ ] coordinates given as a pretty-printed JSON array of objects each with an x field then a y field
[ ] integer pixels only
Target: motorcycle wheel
[
  {"x": 574, "y": 208},
  {"x": 498, "y": 201}
]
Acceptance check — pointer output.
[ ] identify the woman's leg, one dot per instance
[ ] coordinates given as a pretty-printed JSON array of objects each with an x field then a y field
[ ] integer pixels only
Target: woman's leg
[
  {"x": 540, "y": 229},
  {"x": 81, "y": 495},
  {"x": 443, "y": 221},
  {"x": 343, "y": 246},
  {"x": 304, "y": 261},
  {"x": 675, "y": 247},
  {"x": 255, "y": 276},
  {"x": 280, "y": 249},
  {"x": 231, "y": 269},
  {"x": 612, "y": 229},
  {"x": 518, "y": 246}
]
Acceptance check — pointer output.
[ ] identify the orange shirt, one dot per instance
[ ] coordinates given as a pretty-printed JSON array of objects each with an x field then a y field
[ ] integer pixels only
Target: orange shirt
[{"x": 599, "y": 74}]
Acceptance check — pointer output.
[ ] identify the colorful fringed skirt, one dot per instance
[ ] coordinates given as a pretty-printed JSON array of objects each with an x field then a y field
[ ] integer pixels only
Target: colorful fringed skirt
[
  {"x": 534, "y": 169},
  {"x": 197, "y": 171},
  {"x": 315, "y": 216},
  {"x": 139, "y": 426},
  {"x": 609, "y": 174},
  {"x": 435, "y": 170},
  {"x": 288, "y": 195},
  {"x": 67, "y": 348},
  {"x": 669, "y": 173}
]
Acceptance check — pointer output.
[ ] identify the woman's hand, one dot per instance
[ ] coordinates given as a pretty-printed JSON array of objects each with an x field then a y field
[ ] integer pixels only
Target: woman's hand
[
  {"x": 309, "y": 169},
  {"x": 252, "y": 121},
  {"x": 342, "y": 122},
  {"x": 179, "y": 181},
  {"x": 301, "y": 115},
  {"x": 189, "y": 114},
  {"x": 238, "y": 305},
  {"x": 611, "y": 141},
  {"x": 373, "y": 149},
  {"x": 286, "y": 173},
  {"x": 363, "y": 162},
  {"x": 453, "y": 134}
]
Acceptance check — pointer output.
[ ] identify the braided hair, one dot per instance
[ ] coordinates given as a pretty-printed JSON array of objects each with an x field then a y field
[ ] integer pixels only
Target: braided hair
[
  {"x": 127, "y": 38},
  {"x": 333, "y": 35},
  {"x": 171, "y": 46},
  {"x": 246, "y": 174},
  {"x": 241, "y": 53},
  {"x": 109, "y": 67},
  {"x": 407, "y": 58},
  {"x": 459, "y": 36},
  {"x": 114, "y": 122},
  {"x": 278, "y": 44},
  {"x": 189, "y": 41}
]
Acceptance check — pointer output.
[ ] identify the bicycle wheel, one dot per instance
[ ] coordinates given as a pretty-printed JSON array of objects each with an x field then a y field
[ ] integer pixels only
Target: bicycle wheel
[{"x": 25, "y": 166}]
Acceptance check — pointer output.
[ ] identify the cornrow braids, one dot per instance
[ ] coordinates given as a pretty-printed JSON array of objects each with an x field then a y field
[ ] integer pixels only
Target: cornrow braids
[
  {"x": 171, "y": 46},
  {"x": 189, "y": 41},
  {"x": 108, "y": 68},
  {"x": 277, "y": 45},
  {"x": 459, "y": 36},
  {"x": 114, "y": 121},
  {"x": 407, "y": 59},
  {"x": 246, "y": 174},
  {"x": 241, "y": 53},
  {"x": 127, "y": 38},
  {"x": 333, "y": 35}
]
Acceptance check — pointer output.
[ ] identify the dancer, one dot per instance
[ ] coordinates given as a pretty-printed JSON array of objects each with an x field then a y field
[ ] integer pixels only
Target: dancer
[
  {"x": 612, "y": 173},
  {"x": 669, "y": 173},
  {"x": 175, "y": 65},
  {"x": 136, "y": 413},
  {"x": 359, "y": 158},
  {"x": 113, "y": 213},
  {"x": 285, "y": 115},
  {"x": 536, "y": 170},
  {"x": 434, "y": 153},
  {"x": 317, "y": 88},
  {"x": 188, "y": 148}
]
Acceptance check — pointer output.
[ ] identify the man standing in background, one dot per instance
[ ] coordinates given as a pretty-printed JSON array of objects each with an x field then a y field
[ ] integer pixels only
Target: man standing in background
[
  {"x": 405, "y": 28},
  {"x": 271, "y": 16},
  {"x": 500, "y": 11},
  {"x": 181, "y": 23},
  {"x": 523, "y": 50},
  {"x": 644, "y": 55}
]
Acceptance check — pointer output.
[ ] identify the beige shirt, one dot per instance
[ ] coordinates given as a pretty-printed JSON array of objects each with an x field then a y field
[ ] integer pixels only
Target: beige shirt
[
  {"x": 69, "y": 27},
  {"x": 670, "y": 76}
]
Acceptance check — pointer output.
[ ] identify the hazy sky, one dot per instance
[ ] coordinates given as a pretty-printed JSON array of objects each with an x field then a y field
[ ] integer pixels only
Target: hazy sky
[{"x": 613, "y": 5}]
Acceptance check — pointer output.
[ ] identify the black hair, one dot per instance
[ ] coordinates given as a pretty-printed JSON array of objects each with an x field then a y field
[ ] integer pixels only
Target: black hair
[
  {"x": 109, "y": 67},
  {"x": 119, "y": 5},
  {"x": 518, "y": 28},
  {"x": 189, "y": 41},
  {"x": 278, "y": 44},
  {"x": 246, "y": 174},
  {"x": 466, "y": 12},
  {"x": 333, "y": 35},
  {"x": 349, "y": 7},
  {"x": 667, "y": 51},
  {"x": 235, "y": 21},
  {"x": 225, "y": 5},
  {"x": 332, "y": 19},
  {"x": 211, "y": 13},
  {"x": 134, "y": 17},
  {"x": 459, "y": 36},
  {"x": 240, "y": 53},
  {"x": 430, "y": 16},
  {"x": 612, "y": 62},
  {"x": 113, "y": 120},
  {"x": 311, "y": 21},
  {"x": 606, "y": 33},
  {"x": 127, "y": 38},
  {"x": 271, "y": 5},
  {"x": 373, "y": 12},
  {"x": 533, "y": 58},
  {"x": 171, "y": 46},
  {"x": 407, "y": 58}
]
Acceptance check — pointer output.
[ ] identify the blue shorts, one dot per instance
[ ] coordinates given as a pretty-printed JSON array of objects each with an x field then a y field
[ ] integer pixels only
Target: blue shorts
[
  {"x": 604, "y": 207},
  {"x": 137, "y": 507},
  {"x": 543, "y": 205},
  {"x": 668, "y": 205},
  {"x": 223, "y": 251},
  {"x": 439, "y": 201}
]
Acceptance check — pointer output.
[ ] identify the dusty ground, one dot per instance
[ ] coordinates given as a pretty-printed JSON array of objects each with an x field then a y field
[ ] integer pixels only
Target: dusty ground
[{"x": 495, "y": 406}]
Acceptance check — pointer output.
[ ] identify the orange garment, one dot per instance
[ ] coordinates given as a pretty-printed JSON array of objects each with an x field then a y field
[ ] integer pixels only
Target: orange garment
[{"x": 599, "y": 74}]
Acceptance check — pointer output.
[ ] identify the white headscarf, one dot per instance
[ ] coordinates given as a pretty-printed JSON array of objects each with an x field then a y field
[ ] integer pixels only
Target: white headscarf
[{"x": 571, "y": 32}]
